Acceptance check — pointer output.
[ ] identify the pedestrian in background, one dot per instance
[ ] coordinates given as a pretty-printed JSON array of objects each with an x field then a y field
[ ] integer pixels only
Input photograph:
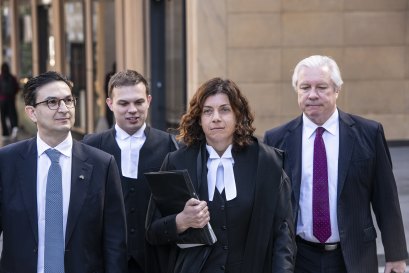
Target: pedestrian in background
[
  {"x": 340, "y": 167},
  {"x": 8, "y": 91}
]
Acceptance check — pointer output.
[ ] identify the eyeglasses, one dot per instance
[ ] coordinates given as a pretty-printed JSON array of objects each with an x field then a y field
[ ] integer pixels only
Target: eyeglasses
[{"x": 55, "y": 103}]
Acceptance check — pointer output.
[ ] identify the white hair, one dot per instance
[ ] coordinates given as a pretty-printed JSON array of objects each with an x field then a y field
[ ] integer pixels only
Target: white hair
[{"x": 319, "y": 61}]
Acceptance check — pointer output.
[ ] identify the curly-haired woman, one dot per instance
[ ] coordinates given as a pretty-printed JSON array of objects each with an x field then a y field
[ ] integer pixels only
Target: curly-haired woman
[{"x": 243, "y": 191}]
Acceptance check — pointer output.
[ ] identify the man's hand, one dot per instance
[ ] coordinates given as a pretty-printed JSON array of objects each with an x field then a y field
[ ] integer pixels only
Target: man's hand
[
  {"x": 194, "y": 215},
  {"x": 397, "y": 267}
]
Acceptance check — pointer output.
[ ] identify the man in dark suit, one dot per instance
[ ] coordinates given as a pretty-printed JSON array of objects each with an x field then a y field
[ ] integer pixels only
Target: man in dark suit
[
  {"x": 89, "y": 229},
  {"x": 137, "y": 149},
  {"x": 334, "y": 226}
]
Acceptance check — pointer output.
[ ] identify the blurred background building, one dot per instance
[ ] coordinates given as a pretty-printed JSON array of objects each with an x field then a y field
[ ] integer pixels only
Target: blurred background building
[{"x": 178, "y": 44}]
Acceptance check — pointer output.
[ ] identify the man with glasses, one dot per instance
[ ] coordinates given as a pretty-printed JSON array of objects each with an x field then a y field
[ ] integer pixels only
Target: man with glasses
[
  {"x": 61, "y": 204},
  {"x": 138, "y": 148}
]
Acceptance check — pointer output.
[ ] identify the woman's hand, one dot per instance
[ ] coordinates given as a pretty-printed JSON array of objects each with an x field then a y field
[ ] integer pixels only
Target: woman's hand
[{"x": 194, "y": 215}]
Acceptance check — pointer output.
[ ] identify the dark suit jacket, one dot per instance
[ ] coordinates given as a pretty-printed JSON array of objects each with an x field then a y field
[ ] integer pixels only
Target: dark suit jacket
[
  {"x": 365, "y": 179},
  {"x": 269, "y": 246},
  {"x": 136, "y": 192},
  {"x": 95, "y": 239}
]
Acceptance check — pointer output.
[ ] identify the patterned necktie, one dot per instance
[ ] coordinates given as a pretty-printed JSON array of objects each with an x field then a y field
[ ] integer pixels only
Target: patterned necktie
[
  {"x": 320, "y": 199},
  {"x": 54, "y": 235}
]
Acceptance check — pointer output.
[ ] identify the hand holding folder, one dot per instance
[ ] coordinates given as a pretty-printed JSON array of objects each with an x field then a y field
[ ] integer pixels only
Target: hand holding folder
[{"x": 170, "y": 191}]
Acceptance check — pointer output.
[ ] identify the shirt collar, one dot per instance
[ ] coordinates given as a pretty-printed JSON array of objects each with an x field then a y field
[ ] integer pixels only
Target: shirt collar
[
  {"x": 65, "y": 147},
  {"x": 122, "y": 135},
  {"x": 330, "y": 125},
  {"x": 214, "y": 155}
]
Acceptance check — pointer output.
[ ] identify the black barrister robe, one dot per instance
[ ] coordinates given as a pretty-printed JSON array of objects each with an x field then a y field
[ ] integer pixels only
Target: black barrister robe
[{"x": 269, "y": 246}]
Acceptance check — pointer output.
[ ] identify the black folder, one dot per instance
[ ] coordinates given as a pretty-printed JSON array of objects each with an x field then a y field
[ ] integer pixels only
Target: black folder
[{"x": 170, "y": 191}]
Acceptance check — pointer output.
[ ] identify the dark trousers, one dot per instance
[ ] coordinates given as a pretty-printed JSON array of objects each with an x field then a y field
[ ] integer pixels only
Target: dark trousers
[
  {"x": 133, "y": 266},
  {"x": 8, "y": 110},
  {"x": 312, "y": 260}
]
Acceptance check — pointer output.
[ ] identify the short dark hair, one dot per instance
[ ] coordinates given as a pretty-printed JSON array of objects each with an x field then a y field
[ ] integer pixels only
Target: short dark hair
[
  {"x": 33, "y": 84},
  {"x": 126, "y": 78},
  {"x": 190, "y": 130}
]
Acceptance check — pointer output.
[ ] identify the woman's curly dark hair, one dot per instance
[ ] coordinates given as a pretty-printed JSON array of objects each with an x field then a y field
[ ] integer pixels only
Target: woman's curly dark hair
[{"x": 190, "y": 130}]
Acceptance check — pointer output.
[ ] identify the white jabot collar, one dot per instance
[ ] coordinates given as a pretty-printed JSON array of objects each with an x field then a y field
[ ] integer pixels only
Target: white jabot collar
[
  {"x": 130, "y": 146},
  {"x": 228, "y": 178}
]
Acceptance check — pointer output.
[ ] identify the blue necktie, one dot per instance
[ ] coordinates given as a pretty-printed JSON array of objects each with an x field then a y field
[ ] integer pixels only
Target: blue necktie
[
  {"x": 54, "y": 235},
  {"x": 320, "y": 195}
]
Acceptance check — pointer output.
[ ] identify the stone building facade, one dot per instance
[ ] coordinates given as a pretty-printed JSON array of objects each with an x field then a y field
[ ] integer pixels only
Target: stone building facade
[{"x": 178, "y": 44}]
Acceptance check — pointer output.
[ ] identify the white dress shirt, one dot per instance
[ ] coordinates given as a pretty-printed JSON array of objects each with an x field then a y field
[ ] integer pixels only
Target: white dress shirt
[
  {"x": 227, "y": 180},
  {"x": 130, "y": 146},
  {"x": 331, "y": 140},
  {"x": 43, "y": 165}
]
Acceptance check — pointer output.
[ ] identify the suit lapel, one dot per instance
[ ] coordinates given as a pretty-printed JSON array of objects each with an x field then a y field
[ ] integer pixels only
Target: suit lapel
[
  {"x": 112, "y": 147},
  {"x": 27, "y": 176},
  {"x": 80, "y": 182},
  {"x": 201, "y": 171},
  {"x": 244, "y": 165},
  {"x": 346, "y": 146},
  {"x": 147, "y": 147},
  {"x": 294, "y": 150}
]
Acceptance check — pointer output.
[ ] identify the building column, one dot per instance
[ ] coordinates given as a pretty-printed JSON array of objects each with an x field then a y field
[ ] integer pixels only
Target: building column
[
  {"x": 58, "y": 33},
  {"x": 131, "y": 35}
]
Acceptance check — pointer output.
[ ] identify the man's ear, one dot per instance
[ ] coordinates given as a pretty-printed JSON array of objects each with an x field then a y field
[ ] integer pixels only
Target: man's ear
[
  {"x": 31, "y": 112},
  {"x": 149, "y": 98},
  {"x": 109, "y": 103},
  {"x": 337, "y": 92}
]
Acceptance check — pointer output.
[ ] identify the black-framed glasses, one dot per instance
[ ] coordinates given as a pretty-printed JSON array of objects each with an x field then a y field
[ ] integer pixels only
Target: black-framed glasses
[{"x": 54, "y": 103}]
